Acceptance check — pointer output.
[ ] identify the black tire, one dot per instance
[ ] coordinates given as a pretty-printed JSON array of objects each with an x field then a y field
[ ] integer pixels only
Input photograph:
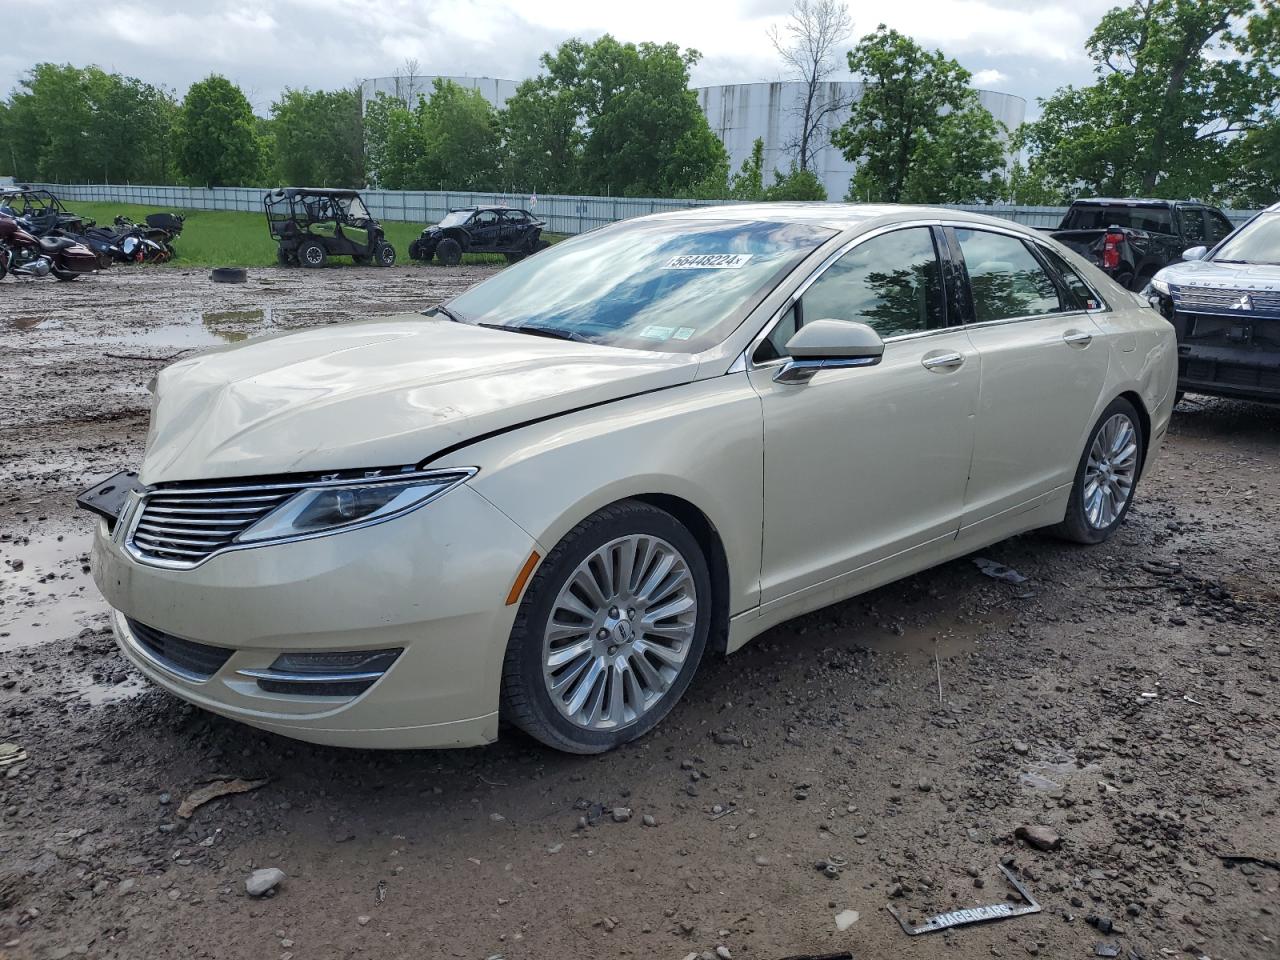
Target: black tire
[
  {"x": 525, "y": 700},
  {"x": 312, "y": 254},
  {"x": 415, "y": 250},
  {"x": 449, "y": 252},
  {"x": 1076, "y": 526},
  {"x": 64, "y": 275},
  {"x": 229, "y": 275},
  {"x": 384, "y": 254},
  {"x": 4, "y": 262}
]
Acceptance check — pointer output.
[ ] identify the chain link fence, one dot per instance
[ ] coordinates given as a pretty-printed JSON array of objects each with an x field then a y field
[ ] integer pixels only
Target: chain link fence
[{"x": 562, "y": 214}]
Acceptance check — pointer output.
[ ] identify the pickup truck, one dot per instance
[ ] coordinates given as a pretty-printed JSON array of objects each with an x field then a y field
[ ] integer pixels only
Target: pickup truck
[{"x": 1132, "y": 239}]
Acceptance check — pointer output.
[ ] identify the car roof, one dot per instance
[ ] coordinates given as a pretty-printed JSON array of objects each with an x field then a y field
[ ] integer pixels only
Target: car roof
[{"x": 836, "y": 216}]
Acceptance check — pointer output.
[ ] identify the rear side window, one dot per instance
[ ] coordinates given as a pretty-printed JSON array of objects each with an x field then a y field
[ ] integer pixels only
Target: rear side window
[
  {"x": 1005, "y": 278},
  {"x": 1084, "y": 295},
  {"x": 1193, "y": 225},
  {"x": 1219, "y": 226}
]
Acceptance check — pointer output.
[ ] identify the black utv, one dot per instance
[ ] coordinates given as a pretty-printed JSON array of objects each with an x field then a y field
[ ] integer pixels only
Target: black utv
[
  {"x": 513, "y": 233},
  {"x": 310, "y": 225}
]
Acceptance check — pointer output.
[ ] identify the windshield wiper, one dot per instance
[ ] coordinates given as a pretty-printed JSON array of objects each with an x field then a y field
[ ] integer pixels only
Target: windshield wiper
[
  {"x": 441, "y": 308},
  {"x": 553, "y": 333}
]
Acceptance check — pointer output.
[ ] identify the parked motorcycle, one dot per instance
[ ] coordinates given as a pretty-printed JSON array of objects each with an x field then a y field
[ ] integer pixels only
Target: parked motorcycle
[
  {"x": 27, "y": 255},
  {"x": 159, "y": 232}
]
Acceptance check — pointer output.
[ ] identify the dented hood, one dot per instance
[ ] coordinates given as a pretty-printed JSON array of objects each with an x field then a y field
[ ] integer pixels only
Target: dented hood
[{"x": 375, "y": 394}]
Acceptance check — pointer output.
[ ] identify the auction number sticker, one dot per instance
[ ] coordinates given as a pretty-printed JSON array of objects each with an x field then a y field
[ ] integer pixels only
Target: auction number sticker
[{"x": 708, "y": 261}]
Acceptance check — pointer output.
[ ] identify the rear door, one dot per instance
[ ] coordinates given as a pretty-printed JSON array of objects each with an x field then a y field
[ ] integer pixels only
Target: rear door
[{"x": 1044, "y": 362}]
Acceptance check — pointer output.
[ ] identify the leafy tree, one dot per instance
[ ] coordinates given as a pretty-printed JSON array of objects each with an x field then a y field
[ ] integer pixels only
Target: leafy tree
[
  {"x": 1030, "y": 188},
  {"x": 218, "y": 137},
  {"x": 807, "y": 46},
  {"x": 608, "y": 117},
  {"x": 70, "y": 123},
  {"x": 748, "y": 182},
  {"x": 446, "y": 141},
  {"x": 796, "y": 185},
  {"x": 1186, "y": 91},
  {"x": 318, "y": 138},
  {"x": 919, "y": 132}
]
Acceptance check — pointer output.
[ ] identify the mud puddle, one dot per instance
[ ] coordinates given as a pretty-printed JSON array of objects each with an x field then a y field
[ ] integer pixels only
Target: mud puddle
[
  {"x": 45, "y": 591},
  {"x": 945, "y": 635}
]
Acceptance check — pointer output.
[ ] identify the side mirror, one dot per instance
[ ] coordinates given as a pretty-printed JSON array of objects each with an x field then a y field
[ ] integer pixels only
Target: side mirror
[
  {"x": 1195, "y": 253},
  {"x": 828, "y": 344}
]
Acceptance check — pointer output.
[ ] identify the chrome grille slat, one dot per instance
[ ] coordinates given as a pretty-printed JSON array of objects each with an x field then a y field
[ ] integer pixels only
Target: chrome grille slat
[{"x": 182, "y": 527}]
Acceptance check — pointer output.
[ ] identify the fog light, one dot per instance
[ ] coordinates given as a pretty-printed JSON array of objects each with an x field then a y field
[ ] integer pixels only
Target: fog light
[{"x": 336, "y": 673}]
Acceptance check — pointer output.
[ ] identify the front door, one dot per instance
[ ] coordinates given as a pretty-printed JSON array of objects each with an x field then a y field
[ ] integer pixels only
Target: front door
[
  {"x": 866, "y": 463},
  {"x": 1044, "y": 362}
]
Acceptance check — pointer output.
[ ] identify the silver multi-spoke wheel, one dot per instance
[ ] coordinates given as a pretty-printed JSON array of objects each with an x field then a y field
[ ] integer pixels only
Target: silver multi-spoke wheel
[
  {"x": 1110, "y": 471},
  {"x": 620, "y": 630}
]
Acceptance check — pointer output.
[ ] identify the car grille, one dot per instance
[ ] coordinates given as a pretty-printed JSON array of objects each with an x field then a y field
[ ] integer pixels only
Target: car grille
[
  {"x": 195, "y": 661},
  {"x": 1205, "y": 300},
  {"x": 181, "y": 527}
]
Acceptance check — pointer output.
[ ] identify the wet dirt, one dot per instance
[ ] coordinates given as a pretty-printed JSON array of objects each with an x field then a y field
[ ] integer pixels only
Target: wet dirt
[{"x": 1124, "y": 696}]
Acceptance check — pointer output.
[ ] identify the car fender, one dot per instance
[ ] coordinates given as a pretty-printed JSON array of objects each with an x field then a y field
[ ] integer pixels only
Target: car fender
[
  {"x": 1142, "y": 361},
  {"x": 701, "y": 442}
]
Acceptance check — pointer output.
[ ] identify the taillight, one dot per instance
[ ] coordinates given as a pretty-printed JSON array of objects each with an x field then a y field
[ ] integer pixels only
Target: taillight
[{"x": 1111, "y": 249}]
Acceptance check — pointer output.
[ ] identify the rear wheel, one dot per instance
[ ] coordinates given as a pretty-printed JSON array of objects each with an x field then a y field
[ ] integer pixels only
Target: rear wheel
[
  {"x": 312, "y": 254},
  {"x": 610, "y": 631},
  {"x": 4, "y": 262},
  {"x": 1106, "y": 476},
  {"x": 384, "y": 254},
  {"x": 449, "y": 252}
]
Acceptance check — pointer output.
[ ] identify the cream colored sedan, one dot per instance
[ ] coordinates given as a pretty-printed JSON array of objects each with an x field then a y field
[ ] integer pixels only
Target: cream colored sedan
[{"x": 550, "y": 498}]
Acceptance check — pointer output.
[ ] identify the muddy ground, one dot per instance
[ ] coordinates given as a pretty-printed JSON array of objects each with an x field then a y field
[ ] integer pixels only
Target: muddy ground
[{"x": 1125, "y": 696}]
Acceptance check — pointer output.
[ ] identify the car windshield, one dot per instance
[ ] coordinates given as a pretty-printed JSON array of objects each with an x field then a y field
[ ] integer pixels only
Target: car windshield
[
  {"x": 1259, "y": 242},
  {"x": 1101, "y": 216},
  {"x": 664, "y": 285},
  {"x": 456, "y": 218}
]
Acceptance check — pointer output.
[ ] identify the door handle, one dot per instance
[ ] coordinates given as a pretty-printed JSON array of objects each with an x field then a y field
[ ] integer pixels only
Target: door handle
[
  {"x": 1074, "y": 337},
  {"x": 942, "y": 361}
]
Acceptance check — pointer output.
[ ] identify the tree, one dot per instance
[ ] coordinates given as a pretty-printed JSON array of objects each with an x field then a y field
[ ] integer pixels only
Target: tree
[
  {"x": 318, "y": 138},
  {"x": 748, "y": 182},
  {"x": 608, "y": 117},
  {"x": 217, "y": 135},
  {"x": 796, "y": 185},
  {"x": 808, "y": 46},
  {"x": 919, "y": 132},
  {"x": 447, "y": 141},
  {"x": 1186, "y": 91}
]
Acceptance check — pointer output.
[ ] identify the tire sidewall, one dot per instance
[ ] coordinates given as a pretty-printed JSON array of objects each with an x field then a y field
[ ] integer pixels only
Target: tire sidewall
[
  {"x": 525, "y": 653},
  {"x": 305, "y": 260},
  {"x": 1076, "y": 519}
]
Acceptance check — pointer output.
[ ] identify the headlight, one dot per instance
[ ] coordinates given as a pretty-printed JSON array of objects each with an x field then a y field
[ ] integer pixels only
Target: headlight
[
  {"x": 342, "y": 504},
  {"x": 1159, "y": 286}
]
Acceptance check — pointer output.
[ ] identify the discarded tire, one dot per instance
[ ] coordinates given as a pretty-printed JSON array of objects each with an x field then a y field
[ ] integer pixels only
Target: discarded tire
[{"x": 229, "y": 275}]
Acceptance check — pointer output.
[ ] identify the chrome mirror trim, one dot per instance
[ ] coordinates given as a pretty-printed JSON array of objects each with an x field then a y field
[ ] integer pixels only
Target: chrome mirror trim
[{"x": 802, "y": 371}]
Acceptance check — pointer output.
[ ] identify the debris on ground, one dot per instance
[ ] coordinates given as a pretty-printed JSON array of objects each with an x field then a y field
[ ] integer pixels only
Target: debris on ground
[
  {"x": 998, "y": 571},
  {"x": 264, "y": 881},
  {"x": 11, "y": 753},
  {"x": 846, "y": 919},
  {"x": 1106, "y": 950},
  {"x": 1225, "y": 857},
  {"x": 980, "y": 914},
  {"x": 214, "y": 790},
  {"x": 1040, "y": 837}
]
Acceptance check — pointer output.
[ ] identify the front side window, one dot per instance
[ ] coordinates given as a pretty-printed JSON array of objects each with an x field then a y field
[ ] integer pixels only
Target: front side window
[
  {"x": 678, "y": 285},
  {"x": 892, "y": 283},
  {"x": 1219, "y": 226},
  {"x": 1006, "y": 281},
  {"x": 1193, "y": 225}
]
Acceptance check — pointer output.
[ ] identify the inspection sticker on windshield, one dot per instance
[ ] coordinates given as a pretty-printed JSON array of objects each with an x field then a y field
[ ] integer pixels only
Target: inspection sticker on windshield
[{"x": 708, "y": 261}]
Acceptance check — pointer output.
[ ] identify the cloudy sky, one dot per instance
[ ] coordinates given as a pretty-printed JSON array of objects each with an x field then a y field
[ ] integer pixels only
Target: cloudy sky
[{"x": 1015, "y": 46}]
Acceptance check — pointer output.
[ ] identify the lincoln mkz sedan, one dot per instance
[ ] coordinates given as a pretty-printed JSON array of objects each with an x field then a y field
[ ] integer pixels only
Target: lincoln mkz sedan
[{"x": 549, "y": 498}]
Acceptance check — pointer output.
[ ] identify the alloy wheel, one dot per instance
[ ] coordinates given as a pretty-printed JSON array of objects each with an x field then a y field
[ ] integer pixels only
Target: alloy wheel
[
  {"x": 620, "y": 630},
  {"x": 1110, "y": 471}
]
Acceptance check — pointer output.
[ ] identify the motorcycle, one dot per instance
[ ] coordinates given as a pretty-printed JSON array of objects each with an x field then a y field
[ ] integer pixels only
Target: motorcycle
[
  {"x": 27, "y": 255},
  {"x": 157, "y": 234}
]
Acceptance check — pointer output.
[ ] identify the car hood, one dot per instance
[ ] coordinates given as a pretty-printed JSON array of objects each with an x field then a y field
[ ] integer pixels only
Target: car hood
[
  {"x": 375, "y": 394},
  {"x": 1207, "y": 273}
]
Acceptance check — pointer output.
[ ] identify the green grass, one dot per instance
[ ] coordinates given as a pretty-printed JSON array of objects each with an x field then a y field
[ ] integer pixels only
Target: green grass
[{"x": 216, "y": 238}]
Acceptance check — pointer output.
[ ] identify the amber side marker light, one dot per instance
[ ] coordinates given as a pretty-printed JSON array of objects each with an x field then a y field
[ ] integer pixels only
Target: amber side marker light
[{"x": 522, "y": 578}]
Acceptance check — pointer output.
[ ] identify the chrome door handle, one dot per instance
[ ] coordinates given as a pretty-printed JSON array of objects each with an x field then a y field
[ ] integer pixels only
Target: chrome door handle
[
  {"x": 943, "y": 361},
  {"x": 1077, "y": 336}
]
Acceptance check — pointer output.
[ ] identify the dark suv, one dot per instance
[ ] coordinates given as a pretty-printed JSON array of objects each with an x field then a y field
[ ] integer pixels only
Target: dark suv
[
  {"x": 506, "y": 230},
  {"x": 1224, "y": 304}
]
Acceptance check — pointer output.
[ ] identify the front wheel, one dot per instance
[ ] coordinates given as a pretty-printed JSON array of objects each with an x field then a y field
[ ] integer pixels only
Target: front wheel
[
  {"x": 449, "y": 252},
  {"x": 610, "y": 630},
  {"x": 1106, "y": 476},
  {"x": 384, "y": 254}
]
